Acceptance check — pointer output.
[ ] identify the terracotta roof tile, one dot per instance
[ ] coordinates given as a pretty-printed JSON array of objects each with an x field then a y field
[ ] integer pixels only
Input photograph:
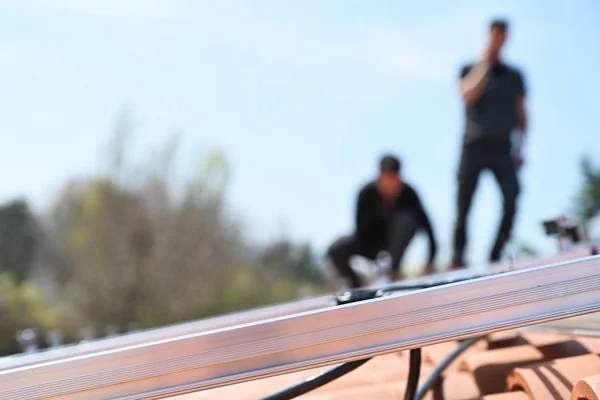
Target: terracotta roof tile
[
  {"x": 490, "y": 368},
  {"x": 507, "y": 396},
  {"x": 539, "y": 339},
  {"x": 592, "y": 344},
  {"x": 502, "y": 335},
  {"x": 587, "y": 389},
  {"x": 456, "y": 386},
  {"x": 437, "y": 353},
  {"x": 568, "y": 348},
  {"x": 553, "y": 379},
  {"x": 503, "y": 339},
  {"x": 390, "y": 391}
]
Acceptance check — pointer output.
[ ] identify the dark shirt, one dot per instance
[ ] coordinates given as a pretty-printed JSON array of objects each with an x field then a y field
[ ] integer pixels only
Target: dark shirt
[
  {"x": 493, "y": 117},
  {"x": 373, "y": 216}
]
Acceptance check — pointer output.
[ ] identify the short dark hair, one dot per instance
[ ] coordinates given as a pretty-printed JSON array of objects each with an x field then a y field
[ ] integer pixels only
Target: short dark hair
[
  {"x": 500, "y": 24},
  {"x": 389, "y": 163}
]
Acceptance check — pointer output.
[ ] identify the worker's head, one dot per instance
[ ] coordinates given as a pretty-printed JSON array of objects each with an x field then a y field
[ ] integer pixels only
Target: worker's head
[
  {"x": 498, "y": 33},
  {"x": 389, "y": 180}
]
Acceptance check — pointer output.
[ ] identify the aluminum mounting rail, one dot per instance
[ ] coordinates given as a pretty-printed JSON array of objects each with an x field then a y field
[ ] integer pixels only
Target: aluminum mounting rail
[
  {"x": 167, "y": 332},
  {"x": 316, "y": 338},
  {"x": 237, "y": 318}
]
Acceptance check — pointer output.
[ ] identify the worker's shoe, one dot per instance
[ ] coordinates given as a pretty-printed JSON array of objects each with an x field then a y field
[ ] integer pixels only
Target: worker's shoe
[
  {"x": 457, "y": 263},
  {"x": 428, "y": 270},
  {"x": 495, "y": 256}
]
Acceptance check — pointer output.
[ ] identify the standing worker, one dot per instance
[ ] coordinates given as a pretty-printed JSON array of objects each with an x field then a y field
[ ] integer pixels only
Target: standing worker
[
  {"x": 496, "y": 122},
  {"x": 389, "y": 213}
]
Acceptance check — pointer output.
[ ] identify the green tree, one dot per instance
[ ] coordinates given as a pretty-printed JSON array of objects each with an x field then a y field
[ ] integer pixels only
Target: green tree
[
  {"x": 119, "y": 145},
  {"x": 21, "y": 306},
  {"x": 19, "y": 239},
  {"x": 106, "y": 246},
  {"x": 587, "y": 203},
  {"x": 284, "y": 259},
  {"x": 147, "y": 250},
  {"x": 155, "y": 249},
  {"x": 215, "y": 172}
]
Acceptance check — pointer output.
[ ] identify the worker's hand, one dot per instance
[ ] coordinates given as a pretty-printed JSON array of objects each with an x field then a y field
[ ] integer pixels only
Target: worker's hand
[
  {"x": 519, "y": 160},
  {"x": 487, "y": 55}
]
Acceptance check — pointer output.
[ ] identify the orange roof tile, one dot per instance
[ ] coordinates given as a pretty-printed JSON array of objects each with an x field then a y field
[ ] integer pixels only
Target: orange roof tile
[
  {"x": 587, "y": 389},
  {"x": 553, "y": 379},
  {"x": 491, "y": 367},
  {"x": 592, "y": 344},
  {"x": 507, "y": 396}
]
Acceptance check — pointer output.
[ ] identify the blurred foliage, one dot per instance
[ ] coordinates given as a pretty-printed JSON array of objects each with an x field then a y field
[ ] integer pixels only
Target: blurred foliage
[
  {"x": 18, "y": 239},
  {"x": 21, "y": 306},
  {"x": 138, "y": 244},
  {"x": 588, "y": 199},
  {"x": 285, "y": 259},
  {"x": 519, "y": 250},
  {"x": 527, "y": 250}
]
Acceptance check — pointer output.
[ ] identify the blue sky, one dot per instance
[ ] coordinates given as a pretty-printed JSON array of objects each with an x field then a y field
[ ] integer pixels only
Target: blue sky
[{"x": 302, "y": 95}]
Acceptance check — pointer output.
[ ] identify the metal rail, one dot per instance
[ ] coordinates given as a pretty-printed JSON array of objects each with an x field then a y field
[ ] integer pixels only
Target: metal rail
[
  {"x": 188, "y": 328},
  {"x": 316, "y": 338},
  {"x": 172, "y": 331}
]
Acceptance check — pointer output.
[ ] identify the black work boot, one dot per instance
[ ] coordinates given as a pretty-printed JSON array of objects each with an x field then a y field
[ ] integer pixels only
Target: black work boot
[{"x": 496, "y": 254}]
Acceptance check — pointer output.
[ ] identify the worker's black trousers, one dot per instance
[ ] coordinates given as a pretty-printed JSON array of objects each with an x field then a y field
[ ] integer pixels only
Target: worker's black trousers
[
  {"x": 403, "y": 227},
  {"x": 476, "y": 158}
]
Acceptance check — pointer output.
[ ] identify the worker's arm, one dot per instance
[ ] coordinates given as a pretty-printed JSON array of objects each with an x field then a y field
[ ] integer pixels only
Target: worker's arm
[
  {"x": 521, "y": 123},
  {"x": 473, "y": 81},
  {"x": 521, "y": 116},
  {"x": 364, "y": 215},
  {"x": 426, "y": 224}
]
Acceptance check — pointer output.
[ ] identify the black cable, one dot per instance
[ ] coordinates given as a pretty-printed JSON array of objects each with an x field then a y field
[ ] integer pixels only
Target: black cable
[
  {"x": 402, "y": 287},
  {"x": 316, "y": 381},
  {"x": 413, "y": 374},
  {"x": 399, "y": 287},
  {"x": 437, "y": 372}
]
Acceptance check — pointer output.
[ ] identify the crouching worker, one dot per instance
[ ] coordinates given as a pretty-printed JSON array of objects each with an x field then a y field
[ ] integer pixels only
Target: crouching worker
[{"x": 388, "y": 215}]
